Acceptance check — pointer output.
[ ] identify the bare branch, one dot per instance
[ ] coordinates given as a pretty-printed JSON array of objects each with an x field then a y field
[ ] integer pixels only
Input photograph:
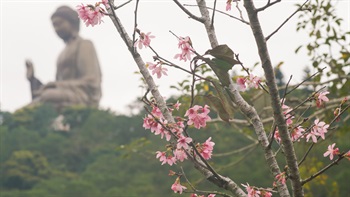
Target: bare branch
[
  {"x": 269, "y": 4},
  {"x": 275, "y": 100},
  {"x": 312, "y": 145},
  {"x": 300, "y": 8},
  {"x": 296, "y": 86},
  {"x": 135, "y": 22},
  {"x": 224, "y": 13},
  {"x": 122, "y": 5},
  {"x": 199, "y": 19},
  {"x": 212, "y": 17},
  {"x": 341, "y": 156},
  {"x": 200, "y": 191}
]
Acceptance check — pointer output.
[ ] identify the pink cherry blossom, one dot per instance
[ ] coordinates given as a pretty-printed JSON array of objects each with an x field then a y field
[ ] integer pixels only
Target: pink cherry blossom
[
  {"x": 162, "y": 157},
  {"x": 150, "y": 123},
  {"x": 198, "y": 116},
  {"x": 254, "y": 81},
  {"x": 284, "y": 107},
  {"x": 162, "y": 132},
  {"x": 177, "y": 187},
  {"x": 251, "y": 81},
  {"x": 105, "y": 3},
  {"x": 165, "y": 159},
  {"x": 144, "y": 40},
  {"x": 252, "y": 192},
  {"x": 331, "y": 151},
  {"x": 91, "y": 15},
  {"x": 277, "y": 136},
  {"x": 186, "y": 49},
  {"x": 157, "y": 112},
  {"x": 211, "y": 195},
  {"x": 228, "y": 5},
  {"x": 180, "y": 154},
  {"x": 320, "y": 128},
  {"x": 183, "y": 141},
  {"x": 297, "y": 133},
  {"x": 171, "y": 160},
  {"x": 206, "y": 149},
  {"x": 157, "y": 69},
  {"x": 241, "y": 84},
  {"x": 177, "y": 105},
  {"x": 321, "y": 97},
  {"x": 313, "y": 135},
  {"x": 281, "y": 178},
  {"x": 266, "y": 194}
]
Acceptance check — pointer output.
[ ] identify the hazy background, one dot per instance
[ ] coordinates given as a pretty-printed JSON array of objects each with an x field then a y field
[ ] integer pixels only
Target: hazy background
[{"x": 27, "y": 33}]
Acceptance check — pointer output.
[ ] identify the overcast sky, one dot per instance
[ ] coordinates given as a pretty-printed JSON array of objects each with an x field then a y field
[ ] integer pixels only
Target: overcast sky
[{"x": 27, "y": 33}]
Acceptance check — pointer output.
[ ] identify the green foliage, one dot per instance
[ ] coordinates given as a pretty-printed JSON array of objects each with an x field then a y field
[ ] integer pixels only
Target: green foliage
[
  {"x": 24, "y": 169},
  {"x": 329, "y": 44}
]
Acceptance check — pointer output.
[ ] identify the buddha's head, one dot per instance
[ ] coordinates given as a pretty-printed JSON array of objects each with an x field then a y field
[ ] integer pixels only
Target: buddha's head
[{"x": 66, "y": 22}]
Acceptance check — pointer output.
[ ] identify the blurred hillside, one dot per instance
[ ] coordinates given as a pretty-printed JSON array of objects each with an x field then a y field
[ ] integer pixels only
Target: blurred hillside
[{"x": 107, "y": 155}]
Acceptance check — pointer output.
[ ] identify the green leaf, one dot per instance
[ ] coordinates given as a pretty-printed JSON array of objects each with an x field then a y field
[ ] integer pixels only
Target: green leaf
[
  {"x": 223, "y": 52},
  {"x": 216, "y": 104},
  {"x": 224, "y": 97},
  {"x": 220, "y": 72},
  {"x": 222, "y": 65}
]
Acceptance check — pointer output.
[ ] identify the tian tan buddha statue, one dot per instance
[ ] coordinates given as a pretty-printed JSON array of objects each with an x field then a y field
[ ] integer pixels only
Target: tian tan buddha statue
[{"x": 78, "y": 77}]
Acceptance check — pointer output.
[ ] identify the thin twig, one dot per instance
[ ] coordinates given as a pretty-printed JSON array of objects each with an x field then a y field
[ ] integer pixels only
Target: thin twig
[
  {"x": 312, "y": 145},
  {"x": 122, "y": 5},
  {"x": 199, "y": 19},
  {"x": 286, "y": 88},
  {"x": 341, "y": 156},
  {"x": 212, "y": 18},
  {"x": 135, "y": 23},
  {"x": 269, "y": 4},
  {"x": 300, "y": 8},
  {"x": 224, "y": 13},
  {"x": 240, "y": 11}
]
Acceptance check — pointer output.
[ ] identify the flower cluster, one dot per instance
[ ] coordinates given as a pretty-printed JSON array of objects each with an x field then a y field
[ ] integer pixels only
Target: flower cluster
[
  {"x": 250, "y": 81},
  {"x": 92, "y": 14},
  {"x": 198, "y": 116},
  {"x": 185, "y": 45},
  {"x": 331, "y": 151},
  {"x": 177, "y": 187},
  {"x": 206, "y": 148},
  {"x": 159, "y": 126},
  {"x": 319, "y": 129},
  {"x": 280, "y": 178},
  {"x": 144, "y": 40},
  {"x": 254, "y": 192},
  {"x": 157, "y": 69},
  {"x": 154, "y": 123},
  {"x": 296, "y": 132},
  {"x": 320, "y": 98}
]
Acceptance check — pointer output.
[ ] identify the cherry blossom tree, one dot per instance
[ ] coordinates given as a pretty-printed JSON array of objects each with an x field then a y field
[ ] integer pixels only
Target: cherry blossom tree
[{"x": 287, "y": 128}]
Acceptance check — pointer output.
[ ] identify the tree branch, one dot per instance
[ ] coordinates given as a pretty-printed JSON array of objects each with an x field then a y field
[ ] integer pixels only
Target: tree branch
[
  {"x": 224, "y": 13},
  {"x": 275, "y": 100},
  {"x": 324, "y": 169},
  {"x": 201, "y": 20},
  {"x": 269, "y": 36},
  {"x": 269, "y": 4}
]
